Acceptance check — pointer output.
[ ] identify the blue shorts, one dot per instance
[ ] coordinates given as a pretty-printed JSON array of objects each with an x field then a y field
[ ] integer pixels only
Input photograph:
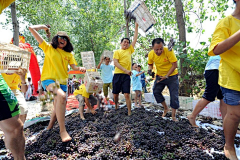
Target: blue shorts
[
  {"x": 45, "y": 83},
  {"x": 231, "y": 97}
]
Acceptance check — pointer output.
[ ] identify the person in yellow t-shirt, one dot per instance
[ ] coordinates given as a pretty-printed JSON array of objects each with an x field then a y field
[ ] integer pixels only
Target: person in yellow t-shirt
[
  {"x": 84, "y": 97},
  {"x": 57, "y": 58},
  {"x": 122, "y": 61},
  {"x": 13, "y": 80},
  {"x": 167, "y": 75},
  {"x": 225, "y": 42},
  {"x": 4, "y": 4}
]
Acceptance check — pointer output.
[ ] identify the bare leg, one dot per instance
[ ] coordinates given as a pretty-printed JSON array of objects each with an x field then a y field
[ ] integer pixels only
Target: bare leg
[
  {"x": 115, "y": 96},
  {"x": 23, "y": 118},
  {"x": 14, "y": 136},
  {"x": 53, "y": 116},
  {"x": 81, "y": 108},
  {"x": 165, "y": 109},
  {"x": 198, "y": 108},
  {"x": 140, "y": 98},
  {"x": 135, "y": 99},
  {"x": 174, "y": 114},
  {"x": 230, "y": 125},
  {"x": 60, "y": 112},
  {"x": 128, "y": 102},
  {"x": 223, "y": 108}
]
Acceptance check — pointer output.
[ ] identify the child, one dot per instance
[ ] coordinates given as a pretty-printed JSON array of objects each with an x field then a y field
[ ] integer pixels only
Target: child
[
  {"x": 136, "y": 84},
  {"x": 84, "y": 97},
  {"x": 225, "y": 42},
  {"x": 106, "y": 74},
  {"x": 122, "y": 61},
  {"x": 58, "y": 55}
]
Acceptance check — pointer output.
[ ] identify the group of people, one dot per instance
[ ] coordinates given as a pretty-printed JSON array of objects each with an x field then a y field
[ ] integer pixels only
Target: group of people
[
  {"x": 222, "y": 76},
  {"x": 73, "y": 84}
]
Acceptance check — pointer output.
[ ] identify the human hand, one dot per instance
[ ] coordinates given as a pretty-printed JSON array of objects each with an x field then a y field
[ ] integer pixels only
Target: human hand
[
  {"x": 128, "y": 72},
  {"x": 162, "y": 78},
  {"x": 48, "y": 30},
  {"x": 150, "y": 72},
  {"x": 22, "y": 73},
  {"x": 82, "y": 69},
  {"x": 93, "y": 111}
]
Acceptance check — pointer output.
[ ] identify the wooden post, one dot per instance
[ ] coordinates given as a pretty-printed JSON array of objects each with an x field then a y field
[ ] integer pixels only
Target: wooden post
[{"x": 15, "y": 25}]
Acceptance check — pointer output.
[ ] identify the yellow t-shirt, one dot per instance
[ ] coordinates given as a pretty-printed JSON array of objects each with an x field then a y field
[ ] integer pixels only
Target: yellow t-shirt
[
  {"x": 82, "y": 91},
  {"x": 229, "y": 68},
  {"x": 4, "y": 4},
  {"x": 163, "y": 62},
  {"x": 12, "y": 80},
  {"x": 55, "y": 64},
  {"x": 124, "y": 59}
]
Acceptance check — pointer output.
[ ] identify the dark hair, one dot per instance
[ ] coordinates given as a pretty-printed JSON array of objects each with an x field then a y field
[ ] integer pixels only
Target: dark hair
[
  {"x": 158, "y": 41},
  {"x": 140, "y": 66},
  {"x": 133, "y": 64},
  {"x": 126, "y": 39},
  {"x": 234, "y": 1},
  {"x": 67, "y": 48},
  {"x": 106, "y": 58}
]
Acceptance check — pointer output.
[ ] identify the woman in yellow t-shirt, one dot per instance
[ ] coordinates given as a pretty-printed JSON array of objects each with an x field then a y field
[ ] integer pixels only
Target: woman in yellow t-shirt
[
  {"x": 225, "y": 42},
  {"x": 167, "y": 75},
  {"x": 57, "y": 58}
]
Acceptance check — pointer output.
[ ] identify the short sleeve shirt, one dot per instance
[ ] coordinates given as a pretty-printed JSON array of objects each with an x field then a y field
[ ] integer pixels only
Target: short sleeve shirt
[
  {"x": 124, "y": 59},
  {"x": 82, "y": 91},
  {"x": 136, "y": 81},
  {"x": 55, "y": 64},
  {"x": 107, "y": 73},
  {"x": 229, "y": 68},
  {"x": 163, "y": 62},
  {"x": 213, "y": 63}
]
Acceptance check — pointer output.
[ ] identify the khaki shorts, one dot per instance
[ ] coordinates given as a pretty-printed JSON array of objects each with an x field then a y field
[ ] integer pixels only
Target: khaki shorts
[
  {"x": 81, "y": 100},
  {"x": 105, "y": 88},
  {"x": 21, "y": 101}
]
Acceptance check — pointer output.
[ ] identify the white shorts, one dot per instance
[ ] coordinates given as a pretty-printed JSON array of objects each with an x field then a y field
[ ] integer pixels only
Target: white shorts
[{"x": 21, "y": 101}]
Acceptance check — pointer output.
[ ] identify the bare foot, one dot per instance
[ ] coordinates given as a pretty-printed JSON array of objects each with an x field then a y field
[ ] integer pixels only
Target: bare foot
[
  {"x": 230, "y": 153},
  {"x": 65, "y": 136},
  {"x": 192, "y": 121},
  {"x": 93, "y": 111},
  {"x": 116, "y": 107},
  {"x": 88, "y": 111},
  {"x": 175, "y": 119},
  {"x": 165, "y": 112},
  {"x": 129, "y": 113},
  {"x": 82, "y": 118}
]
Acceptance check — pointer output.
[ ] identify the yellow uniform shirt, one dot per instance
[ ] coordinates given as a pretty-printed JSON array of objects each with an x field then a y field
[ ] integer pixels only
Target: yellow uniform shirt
[
  {"x": 124, "y": 59},
  {"x": 163, "y": 62},
  {"x": 4, "y": 4},
  {"x": 82, "y": 91},
  {"x": 12, "y": 80},
  {"x": 229, "y": 68},
  {"x": 56, "y": 63}
]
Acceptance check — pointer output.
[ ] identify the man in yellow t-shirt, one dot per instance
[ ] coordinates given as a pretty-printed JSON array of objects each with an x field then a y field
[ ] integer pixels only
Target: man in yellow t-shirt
[
  {"x": 13, "y": 80},
  {"x": 84, "y": 97},
  {"x": 122, "y": 61},
  {"x": 225, "y": 42},
  {"x": 167, "y": 75}
]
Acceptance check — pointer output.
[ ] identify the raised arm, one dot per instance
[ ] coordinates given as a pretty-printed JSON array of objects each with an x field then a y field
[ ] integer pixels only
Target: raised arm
[
  {"x": 227, "y": 44},
  {"x": 33, "y": 29},
  {"x": 99, "y": 65},
  {"x": 135, "y": 35}
]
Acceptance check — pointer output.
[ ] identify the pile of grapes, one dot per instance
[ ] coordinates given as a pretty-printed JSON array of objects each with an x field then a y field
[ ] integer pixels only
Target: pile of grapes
[{"x": 114, "y": 135}]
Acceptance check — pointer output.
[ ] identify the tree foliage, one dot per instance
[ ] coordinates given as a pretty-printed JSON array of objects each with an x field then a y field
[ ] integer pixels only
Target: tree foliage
[{"x": 99, "y": 25}]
